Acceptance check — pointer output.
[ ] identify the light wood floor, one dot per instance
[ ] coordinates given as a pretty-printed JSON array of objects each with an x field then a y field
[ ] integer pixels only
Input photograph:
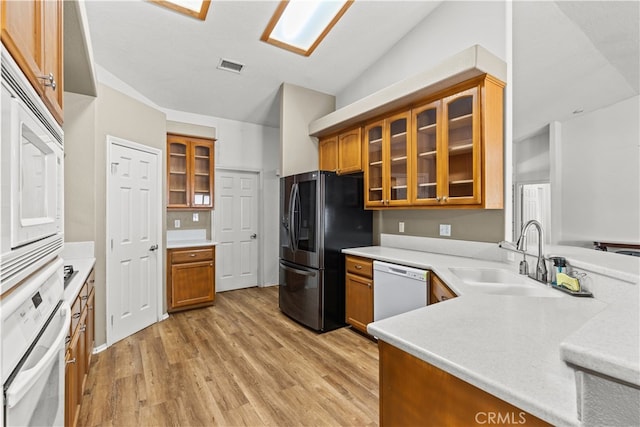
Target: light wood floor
[{"x": 240, "y": 362}]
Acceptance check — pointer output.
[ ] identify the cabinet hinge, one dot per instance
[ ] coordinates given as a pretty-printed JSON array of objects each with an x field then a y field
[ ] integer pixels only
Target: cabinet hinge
[{"x": 112, "y": 320}]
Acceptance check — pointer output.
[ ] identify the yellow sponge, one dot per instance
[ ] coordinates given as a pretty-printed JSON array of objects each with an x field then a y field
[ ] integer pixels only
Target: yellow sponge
[{"x": 571, "y": 283}]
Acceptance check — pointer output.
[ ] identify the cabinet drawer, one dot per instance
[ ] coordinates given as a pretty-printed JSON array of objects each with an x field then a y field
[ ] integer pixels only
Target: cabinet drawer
[
  {"x": 360, "y": 266},
  {"x": 439, "y": 291},
  {"x": 191, "y": 255}
]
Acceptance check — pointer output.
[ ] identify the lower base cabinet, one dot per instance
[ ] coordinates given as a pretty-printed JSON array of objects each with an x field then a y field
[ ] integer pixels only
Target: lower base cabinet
[
  {"x": 80, "y": 343},
  {"x": 359, "y": 292},
  {"x": 415, "y": 393},
  {"x": 191, "y": 278}
]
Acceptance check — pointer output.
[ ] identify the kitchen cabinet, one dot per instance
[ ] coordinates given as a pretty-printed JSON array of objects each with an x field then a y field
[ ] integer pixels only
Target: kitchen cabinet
[
  {"x": 458, "y": 147},
  {"x": 387, "y": 172},
  {"x": 32, "y": 32},
  {"x": 359, "y": 292},
  {"x": 438, "y": 291},
  {"x": 191, "y": 278},
  {"x": 328, "y": 153},
  {"x": 342, "y": 153},
  {"x": 190, "y": 172},
  {"x": 414, "y": 392},
  {"x": 80, "y": 343}
]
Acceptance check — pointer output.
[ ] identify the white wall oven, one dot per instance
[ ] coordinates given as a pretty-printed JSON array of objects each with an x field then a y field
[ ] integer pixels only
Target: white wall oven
[
  {"x": 35, "y": 323},
  {"x": 32, "y": 179}
]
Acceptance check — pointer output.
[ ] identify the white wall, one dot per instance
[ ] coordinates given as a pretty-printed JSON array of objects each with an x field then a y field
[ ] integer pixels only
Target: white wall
[
  {"x": 451, "y": 28},
  {"x": 600, "y": 175},
  {"x": 531, "y": 160},
  {"x": 298, "y": 107}
]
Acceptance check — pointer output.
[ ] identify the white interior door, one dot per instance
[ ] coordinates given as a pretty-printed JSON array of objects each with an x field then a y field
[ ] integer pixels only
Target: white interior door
[
  {"x": 236, "y": 224},
  {"x": 133, "y": 260}
]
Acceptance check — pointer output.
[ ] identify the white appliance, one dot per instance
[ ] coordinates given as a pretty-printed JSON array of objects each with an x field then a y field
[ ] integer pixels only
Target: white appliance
[
  {"x": 35, "y": 323},
  {"x": 397, "y": 289},
  {"x": 32, "y": 177}
]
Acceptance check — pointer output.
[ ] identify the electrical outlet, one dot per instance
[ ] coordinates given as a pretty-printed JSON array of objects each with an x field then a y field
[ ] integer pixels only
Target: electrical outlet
[
  {"x": 196, "y": 217},
  {"x": 445, "y": 229},
  {"x": 176, "y": 223},
  {"x": 401, "y": 227}
]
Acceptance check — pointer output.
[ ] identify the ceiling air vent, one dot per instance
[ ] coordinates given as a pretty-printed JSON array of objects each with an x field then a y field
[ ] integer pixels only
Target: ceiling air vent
[{"x": 227, "y": 65}]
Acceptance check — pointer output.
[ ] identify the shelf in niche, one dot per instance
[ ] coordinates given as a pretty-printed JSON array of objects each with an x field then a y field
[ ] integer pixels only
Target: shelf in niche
[
  {"x": 377, "y": 163},
  {"x": 461, "y": 181},
  {"x": 399, "y": 158},
  {"x": 398, "y": 187},
  {"x": 398, "y": 135},
  {"x": 177, "y": 190},
  {"x": 177, "y": 172},
  {"x": 460, "y": 121},
  {"x": 375, "y": 141},
  {"x": 201, "y": 174},
  {"x": 202, "y": 157},
  {"x": 177, "y": 155},
  {"x": 375, "y": 189},
  {"x": 427, "y": 184}
]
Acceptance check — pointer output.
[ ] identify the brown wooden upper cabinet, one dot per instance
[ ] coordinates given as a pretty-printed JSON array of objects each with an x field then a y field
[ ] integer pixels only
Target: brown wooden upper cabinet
[
  {"x": 444, "y": 153},
  {"x": 342, "y": 153},
  {"x": 190, "y": 169},
  {"x": 387, "y": 173},
  {"x": 458, "y": 147},
  {"x": 32, "y": 31}
]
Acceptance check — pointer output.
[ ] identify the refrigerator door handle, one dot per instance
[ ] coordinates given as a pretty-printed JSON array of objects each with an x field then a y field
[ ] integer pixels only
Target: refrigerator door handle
[
  {"x": 289, "y": 226},
  {"x": 293, "y": 222},
  {"x": 297, "y": 271},
  {"x": 297, "y": 208}
]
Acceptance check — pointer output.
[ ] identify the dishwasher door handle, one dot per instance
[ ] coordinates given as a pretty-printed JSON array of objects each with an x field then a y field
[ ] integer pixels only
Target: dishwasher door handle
[{"x": 397, "y": 271}]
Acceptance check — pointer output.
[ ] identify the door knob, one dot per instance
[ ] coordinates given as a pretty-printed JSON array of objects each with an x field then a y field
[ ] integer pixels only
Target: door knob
[
  {"x": 153, "y": 248},
  {"x": 253, "y": 236}
]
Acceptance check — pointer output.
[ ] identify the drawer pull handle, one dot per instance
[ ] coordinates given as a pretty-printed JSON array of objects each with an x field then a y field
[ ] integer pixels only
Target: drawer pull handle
[
  {"x": 71, "y": 361},
  {"x": 84, "y": 297},
  {"x": 83, "y": 328},
  {"x": 358, "y": 267},
  {"x": 444, "y": 298},
  {"x": 76, "y": 315},
  {"x": 192, "y": 255}
]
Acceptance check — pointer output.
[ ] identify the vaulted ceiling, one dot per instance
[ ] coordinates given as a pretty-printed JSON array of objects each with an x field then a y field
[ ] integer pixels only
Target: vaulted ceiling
[{"x": 567, "y": 55}]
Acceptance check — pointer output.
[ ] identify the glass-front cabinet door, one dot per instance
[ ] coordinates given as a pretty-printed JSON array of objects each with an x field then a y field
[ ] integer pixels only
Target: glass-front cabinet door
[
  {"x": 399, "y": 139},
  {"x": 373, "y": 173},
  {"x": 178, "y": 183},
  {"x": 202, "y": 174},
  {"x": 425, "y": 154},
  {"x": 461, "y": 147}
]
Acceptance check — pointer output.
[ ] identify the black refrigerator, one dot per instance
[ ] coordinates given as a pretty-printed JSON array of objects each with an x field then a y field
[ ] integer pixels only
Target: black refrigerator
[{"x": 321, "y": 213}]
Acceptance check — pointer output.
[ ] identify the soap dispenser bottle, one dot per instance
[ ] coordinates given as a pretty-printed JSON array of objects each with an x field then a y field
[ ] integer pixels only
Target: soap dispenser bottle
[{"x": 559, "y": 266}]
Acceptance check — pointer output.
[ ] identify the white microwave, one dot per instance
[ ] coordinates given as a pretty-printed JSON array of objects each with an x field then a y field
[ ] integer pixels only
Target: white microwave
[{"x": 31, "y": 179}]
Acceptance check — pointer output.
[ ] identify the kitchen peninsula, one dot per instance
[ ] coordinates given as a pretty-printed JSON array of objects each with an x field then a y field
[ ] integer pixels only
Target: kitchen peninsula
[{"x": 539, "y": 353}]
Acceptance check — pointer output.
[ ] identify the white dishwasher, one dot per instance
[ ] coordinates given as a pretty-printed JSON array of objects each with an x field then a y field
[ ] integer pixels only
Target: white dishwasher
[{"x": 397, "y": 289}]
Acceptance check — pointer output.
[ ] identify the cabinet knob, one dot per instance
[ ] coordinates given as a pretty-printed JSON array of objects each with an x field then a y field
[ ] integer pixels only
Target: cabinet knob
[
  {"x": 49, "y": 81},
  {"x": 444, "y": 298},
  {"x": 437, "y": 199},
  {"x": 444, "y": 199},
  {"x": 358, "y": 267},
  {"x": 192, "y": 255}
]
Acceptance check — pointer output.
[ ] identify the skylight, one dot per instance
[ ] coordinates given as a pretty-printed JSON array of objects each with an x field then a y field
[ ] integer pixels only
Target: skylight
[
  {"x": 196, "y": 8},
  {"x": 300, "y": 25}
]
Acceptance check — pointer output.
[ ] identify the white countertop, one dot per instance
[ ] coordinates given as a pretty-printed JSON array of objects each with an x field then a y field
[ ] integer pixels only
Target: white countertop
[
  {"x": 513, "y": 346},
  {"x": 83, "y": 266},
  {"x": 189, "y": 243}
]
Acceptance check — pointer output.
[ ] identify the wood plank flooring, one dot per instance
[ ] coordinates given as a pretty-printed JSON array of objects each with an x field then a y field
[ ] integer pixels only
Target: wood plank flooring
[{"x": 238, "y": 363}]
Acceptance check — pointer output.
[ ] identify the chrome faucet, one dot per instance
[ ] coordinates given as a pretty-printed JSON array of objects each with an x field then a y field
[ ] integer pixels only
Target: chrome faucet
[{"x": 541, "y": 268}]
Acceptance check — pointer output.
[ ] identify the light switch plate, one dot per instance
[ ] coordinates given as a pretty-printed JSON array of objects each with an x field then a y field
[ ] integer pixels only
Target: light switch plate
[
  {"x": 196, "y": 217},
  {"x": 176, "y": 223},
  {"x": 401, "y": 227},
  {"x": 445, "y": 229}
]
